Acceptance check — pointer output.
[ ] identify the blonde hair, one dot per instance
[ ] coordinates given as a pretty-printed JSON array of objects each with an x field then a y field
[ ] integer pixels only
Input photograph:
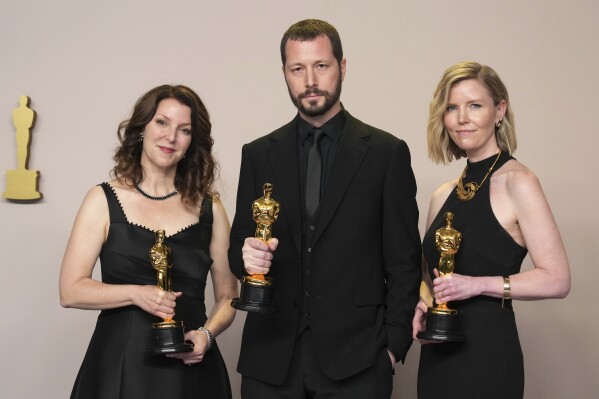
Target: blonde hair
[{"x": 441, "y": 148}]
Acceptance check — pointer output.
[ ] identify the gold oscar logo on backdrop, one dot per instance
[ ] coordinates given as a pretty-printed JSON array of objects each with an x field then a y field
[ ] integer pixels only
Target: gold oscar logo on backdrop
[{"x": 22, "y": 183}]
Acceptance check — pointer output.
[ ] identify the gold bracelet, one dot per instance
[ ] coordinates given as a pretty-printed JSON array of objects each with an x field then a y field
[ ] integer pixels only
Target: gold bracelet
[{"x": 507, "y": 290}]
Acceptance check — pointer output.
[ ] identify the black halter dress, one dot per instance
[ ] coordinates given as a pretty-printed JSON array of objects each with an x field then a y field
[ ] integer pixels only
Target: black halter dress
[{"x": 489, "y": 363}]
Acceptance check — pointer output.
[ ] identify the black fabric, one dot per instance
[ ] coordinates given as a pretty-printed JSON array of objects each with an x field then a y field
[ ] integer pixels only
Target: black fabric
[
  {"x": 353, "y": 274},
  {"x": 489, "y": 363},
  {"x": 116, "y": 365},
  {"x": 329, "y": 145},
  {"x": 314, "y": 173},
  {"x": 307, "y": 380}
]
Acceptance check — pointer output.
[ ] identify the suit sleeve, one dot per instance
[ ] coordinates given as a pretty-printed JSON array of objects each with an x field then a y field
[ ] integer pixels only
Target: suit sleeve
[
  {"x": 401, "y": 250},
  {"x": 243, "y": 224}
]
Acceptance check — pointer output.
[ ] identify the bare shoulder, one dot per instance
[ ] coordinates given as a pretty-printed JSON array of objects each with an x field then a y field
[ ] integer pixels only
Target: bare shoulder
[
  {"x": 94, "y": 208},
  {"x": 221, "y": 229},
  {"x": 518, "y": 180},
  {"x": 218, "y": 208},
  {"x": 116, "y": 183},
  {"x": 517, "y": 197},
  {"x": 95, "y": 197},
  {"x": 122, "y": 189},
  {"x": 217, "y": 205},
  {"x": 444, "y": 189},
  {"x": 442, "y": 192},
  {"x": 438, "y": 198}
]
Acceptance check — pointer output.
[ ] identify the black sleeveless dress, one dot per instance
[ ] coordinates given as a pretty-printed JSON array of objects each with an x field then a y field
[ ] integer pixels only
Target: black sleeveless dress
[
  {"x": 489, "y": 363},
  {"x": 116, "y": 364}
]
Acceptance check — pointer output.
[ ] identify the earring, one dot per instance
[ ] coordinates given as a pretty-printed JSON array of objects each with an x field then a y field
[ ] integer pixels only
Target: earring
[
  {"x": 498, "y": 123},
  {"x": 141, "y": 137}
]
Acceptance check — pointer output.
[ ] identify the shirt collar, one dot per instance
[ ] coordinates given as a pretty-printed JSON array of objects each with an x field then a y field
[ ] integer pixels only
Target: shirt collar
[{"x": 333, "y": 127}]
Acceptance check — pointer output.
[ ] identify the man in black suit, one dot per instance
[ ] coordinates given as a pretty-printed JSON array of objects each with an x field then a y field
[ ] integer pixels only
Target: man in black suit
[{"x": 346, "y": 268}]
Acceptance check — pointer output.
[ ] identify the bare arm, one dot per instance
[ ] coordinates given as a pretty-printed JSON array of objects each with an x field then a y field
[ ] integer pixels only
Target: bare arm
[
  {"x": 550, "y": 277},
  {"x": 78, "y": 289},
  {"x": 224, "y": 282},
  {"x": 521, "y": 207}
]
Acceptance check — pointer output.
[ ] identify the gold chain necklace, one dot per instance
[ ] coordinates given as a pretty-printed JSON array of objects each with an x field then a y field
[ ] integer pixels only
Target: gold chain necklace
[{"x": 466, "y": 193}]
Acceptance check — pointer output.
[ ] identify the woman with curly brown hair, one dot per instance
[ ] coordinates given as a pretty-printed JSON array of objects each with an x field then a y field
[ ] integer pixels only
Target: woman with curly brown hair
[{"x": 164, "y": 177}]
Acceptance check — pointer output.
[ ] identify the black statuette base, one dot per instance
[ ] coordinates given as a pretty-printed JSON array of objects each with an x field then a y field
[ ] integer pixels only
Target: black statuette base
[
  {"x": 442, "y": 328},
  {"x": 255, "y": 298},
  {"x": 169, "y": 340}
]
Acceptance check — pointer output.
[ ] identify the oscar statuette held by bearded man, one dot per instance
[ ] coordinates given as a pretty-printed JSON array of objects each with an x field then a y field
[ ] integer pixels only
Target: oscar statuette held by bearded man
[{"x": 256, "y": 289}]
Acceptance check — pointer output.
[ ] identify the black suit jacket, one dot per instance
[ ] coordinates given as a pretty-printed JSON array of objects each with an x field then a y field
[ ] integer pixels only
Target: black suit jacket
[{"x": 364, "y": 257}]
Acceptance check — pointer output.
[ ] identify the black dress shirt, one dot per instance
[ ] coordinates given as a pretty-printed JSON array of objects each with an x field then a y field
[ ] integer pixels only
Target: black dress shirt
[{"x": 329, "y": 144}]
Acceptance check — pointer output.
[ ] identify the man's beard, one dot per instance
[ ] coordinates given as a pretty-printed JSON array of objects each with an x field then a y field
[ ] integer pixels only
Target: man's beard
[{"x": 313, "y": 109}]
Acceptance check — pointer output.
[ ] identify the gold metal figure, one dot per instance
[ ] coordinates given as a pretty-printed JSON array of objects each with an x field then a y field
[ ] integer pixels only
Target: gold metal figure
[
  {"x": 447, "y": 240},
  {"x": 168, "y": 334},
  {"x": 265, "y": 211},
  {"x": 160, "y": 256}
]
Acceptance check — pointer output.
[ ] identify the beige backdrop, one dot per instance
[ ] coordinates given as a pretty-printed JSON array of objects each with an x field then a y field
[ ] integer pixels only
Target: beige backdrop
[{"x": 85, "y": 63}]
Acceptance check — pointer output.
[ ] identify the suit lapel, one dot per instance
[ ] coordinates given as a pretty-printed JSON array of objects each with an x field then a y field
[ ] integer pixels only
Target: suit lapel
[
  {"x": 352, "y": 149},
  {"x": 283, "y": 157}
]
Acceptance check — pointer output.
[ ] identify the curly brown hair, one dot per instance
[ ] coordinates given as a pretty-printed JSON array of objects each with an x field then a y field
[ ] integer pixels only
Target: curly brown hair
[{"x": 196, "y": 172}]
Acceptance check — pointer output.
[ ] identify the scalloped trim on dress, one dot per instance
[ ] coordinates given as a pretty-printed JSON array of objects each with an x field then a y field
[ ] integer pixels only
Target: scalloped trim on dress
[{"x": 141, "y": 225}]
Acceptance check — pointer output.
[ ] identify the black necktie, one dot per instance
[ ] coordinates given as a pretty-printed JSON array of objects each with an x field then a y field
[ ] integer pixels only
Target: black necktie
[{"x": 313, "y": 174}]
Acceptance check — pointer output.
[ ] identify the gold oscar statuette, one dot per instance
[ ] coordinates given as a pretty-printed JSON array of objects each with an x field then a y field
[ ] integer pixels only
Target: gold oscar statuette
[
  {"x": 442, "y": 323},
  {"x": 168, "y": 334},
  {"x": 256, "y": 289}
]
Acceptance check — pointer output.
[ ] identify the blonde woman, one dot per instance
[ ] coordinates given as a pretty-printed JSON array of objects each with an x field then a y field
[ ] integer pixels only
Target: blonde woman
[{"x": 502, "y": 214}]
